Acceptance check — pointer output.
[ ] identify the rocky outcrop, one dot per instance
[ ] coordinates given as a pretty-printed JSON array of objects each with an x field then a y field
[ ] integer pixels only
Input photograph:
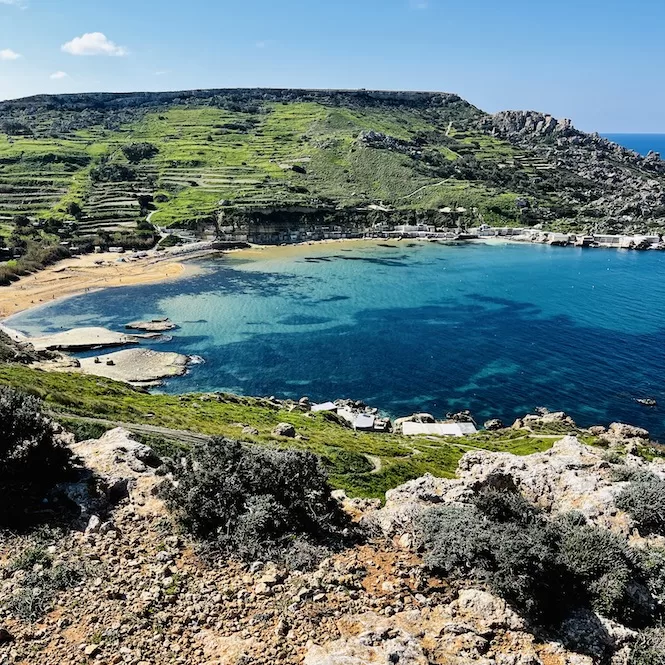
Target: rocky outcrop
[
  {"x": 154, "y": 325},
  {"x": 80, "y": 339},
  {"x": 16, "y": 350},
  {"x": 610, "y": 189},
  {"x": 569, "y": 477},
  {"x": 477, "y": 627},
  {"x": 509, "y": 124},
  {"x": 136, "y": 366},
  {"x": 121, "y": 468}
]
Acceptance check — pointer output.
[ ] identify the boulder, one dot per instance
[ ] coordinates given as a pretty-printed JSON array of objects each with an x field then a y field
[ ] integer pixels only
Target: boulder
[
  {"x": 493, "y": 425},
  {"x": 285, "y": 429},
  {"x": 124, "y": 469}
]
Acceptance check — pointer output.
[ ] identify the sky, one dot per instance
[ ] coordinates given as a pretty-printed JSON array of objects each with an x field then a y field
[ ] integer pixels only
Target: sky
[{"x": 600, "y": 63}]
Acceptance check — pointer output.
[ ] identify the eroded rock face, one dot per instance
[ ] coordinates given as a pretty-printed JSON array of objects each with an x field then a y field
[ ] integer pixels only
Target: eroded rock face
[
  {"x": 623, "y": 191},
  {"x": 124, "y": 467},
  {"x": 569, "y": 477}
]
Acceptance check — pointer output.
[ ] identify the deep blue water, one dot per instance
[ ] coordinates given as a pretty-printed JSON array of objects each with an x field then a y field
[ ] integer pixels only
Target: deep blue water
[
  {"x": 641, "y": 143},
  {"x": 498, "y": 329}
]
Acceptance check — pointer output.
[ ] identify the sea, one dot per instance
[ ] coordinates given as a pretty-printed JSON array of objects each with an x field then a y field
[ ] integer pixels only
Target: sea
[
  {"x": 496, "y": 328},
  {"x": 493, "y": 327},
  {"x": 641, "y": 143}
]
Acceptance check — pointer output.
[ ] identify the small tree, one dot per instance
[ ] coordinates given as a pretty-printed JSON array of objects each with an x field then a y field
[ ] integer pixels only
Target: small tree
[{"x": 74, "y": 209}]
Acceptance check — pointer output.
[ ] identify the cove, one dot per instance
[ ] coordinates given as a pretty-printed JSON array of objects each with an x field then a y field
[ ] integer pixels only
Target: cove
[{"x": 495, "y": 328}]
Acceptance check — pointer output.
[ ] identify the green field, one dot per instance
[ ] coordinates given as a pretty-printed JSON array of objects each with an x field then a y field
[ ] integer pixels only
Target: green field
[{"x": 344, "y": 451}]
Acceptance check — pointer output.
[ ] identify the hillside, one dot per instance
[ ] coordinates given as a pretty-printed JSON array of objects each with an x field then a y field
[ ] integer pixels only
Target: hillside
[
  {"x": 214, "y": 158},
  {"x": 229, "y": 553}
]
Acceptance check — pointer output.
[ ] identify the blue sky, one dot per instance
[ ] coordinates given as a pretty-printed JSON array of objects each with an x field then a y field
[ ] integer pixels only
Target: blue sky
[{"x": 601, "y": 63}]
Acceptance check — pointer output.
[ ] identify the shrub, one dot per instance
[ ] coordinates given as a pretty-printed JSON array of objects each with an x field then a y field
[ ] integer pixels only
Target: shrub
[
  {"x": 254, "y": 502},
  {"x": 649, "y": 648},
  {"x": 39, "y": 589},
  {"x": 112, "y": 173},
  {"x": 545, "y": 568},
  {"x": 652, "y": 563},
  {"x": 518, "y": 560},
  {"x": 644, "y": 501},
  {"x": 137, "y": 152},
  {"x": 31, "y": 459},
  {"x": 607, "y": 570}
]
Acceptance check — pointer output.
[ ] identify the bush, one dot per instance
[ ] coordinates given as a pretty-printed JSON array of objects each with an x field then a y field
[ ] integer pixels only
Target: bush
[
  {"x": 254, "y": 502},
  {"x": 607, "y": 571},
  {"x": 112, "y": 173},
  {"x": 545, "y": 568},
  {"x": 649, "y": 648},
  {"x": 31, "y": 459},
  {"x": 644, "y": 501},
  {"x": 137, "y": 152},
  {"x": 39, "y": 589}
]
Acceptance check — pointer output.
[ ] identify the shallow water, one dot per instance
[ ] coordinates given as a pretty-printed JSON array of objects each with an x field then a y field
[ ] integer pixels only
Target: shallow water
[{"x": 497, "y": 328}]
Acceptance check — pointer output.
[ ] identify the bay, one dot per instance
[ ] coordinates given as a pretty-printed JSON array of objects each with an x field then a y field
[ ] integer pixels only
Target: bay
[{"x": 495, "y": 328}]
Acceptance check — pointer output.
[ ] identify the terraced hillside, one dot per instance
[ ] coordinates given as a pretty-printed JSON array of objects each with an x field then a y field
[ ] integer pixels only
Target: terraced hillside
[{"x": 107, "y": 161}]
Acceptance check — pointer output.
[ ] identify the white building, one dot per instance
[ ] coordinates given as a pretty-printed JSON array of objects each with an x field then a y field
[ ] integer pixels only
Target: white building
[{"x": 438, "y": 429}]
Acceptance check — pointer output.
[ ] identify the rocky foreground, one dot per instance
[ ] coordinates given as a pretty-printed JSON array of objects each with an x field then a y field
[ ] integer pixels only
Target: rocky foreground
[{"x": 143, "y": 596}]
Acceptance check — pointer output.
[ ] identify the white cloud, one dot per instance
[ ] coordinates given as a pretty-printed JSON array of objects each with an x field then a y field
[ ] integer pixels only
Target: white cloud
[
  {"x": 419, "y": 4},
  {"x": 58, "y": 76},
  {"x": 162, "y": 72},
  {"x": 93, "y": 43},
  {"x": 8, "y": 54},
  {"x": 15, "y": 3}
]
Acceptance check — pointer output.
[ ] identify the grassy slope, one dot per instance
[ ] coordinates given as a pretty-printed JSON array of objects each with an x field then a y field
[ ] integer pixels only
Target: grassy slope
[
  {"x": 207, "y": 154},
  {"x": 343, "y": 449}
]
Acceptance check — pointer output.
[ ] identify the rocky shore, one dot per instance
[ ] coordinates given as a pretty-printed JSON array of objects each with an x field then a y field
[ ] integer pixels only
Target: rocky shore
[{"x": 138, "y": 366}]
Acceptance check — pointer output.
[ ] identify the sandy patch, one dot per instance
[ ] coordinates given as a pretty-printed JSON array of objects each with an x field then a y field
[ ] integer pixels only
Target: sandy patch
[{"x": 90, "y": 272}]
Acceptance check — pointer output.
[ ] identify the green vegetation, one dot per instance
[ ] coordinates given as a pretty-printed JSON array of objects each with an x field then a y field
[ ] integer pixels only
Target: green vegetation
[
  {"x": 253, "y": 502},
  {"x": 649, "y": 648},
  {"x": 342, "y": 450},
  {"x": 277, "y": 148},
  {"x": 89, "y": 169},
  {"x": 644, "y": 500},
  {"x": 32, "y": 460},
  {"x": 546, "y": 568},
  {"x": 41, "y": 583}
]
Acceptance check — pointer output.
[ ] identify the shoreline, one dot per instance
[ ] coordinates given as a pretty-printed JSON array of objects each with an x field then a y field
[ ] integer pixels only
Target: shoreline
[
  {"x": 93, "y": 272},
  {"x": 76, "y": 276}
]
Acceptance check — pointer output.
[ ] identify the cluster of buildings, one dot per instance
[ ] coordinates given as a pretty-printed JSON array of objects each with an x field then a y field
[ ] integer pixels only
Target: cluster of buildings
[{"x": 366, "y": 419}]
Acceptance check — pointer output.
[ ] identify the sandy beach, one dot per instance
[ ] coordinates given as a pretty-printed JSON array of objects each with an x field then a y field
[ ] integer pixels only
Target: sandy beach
[
  {"x": 101, "y": 271},
  {"x": 89, "y": 272}
]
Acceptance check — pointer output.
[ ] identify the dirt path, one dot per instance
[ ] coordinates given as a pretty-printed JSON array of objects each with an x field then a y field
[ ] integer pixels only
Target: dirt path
[
  {"x": 174, "y": 434},
  {"x": 420, "y": 189},
  {"x": 376, "y": 461}
]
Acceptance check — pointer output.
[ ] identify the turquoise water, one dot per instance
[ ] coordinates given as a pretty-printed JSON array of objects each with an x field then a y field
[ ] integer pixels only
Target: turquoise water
[
  {"x": 498, "y": 329},
  {"x": 641, "y": 143}
]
